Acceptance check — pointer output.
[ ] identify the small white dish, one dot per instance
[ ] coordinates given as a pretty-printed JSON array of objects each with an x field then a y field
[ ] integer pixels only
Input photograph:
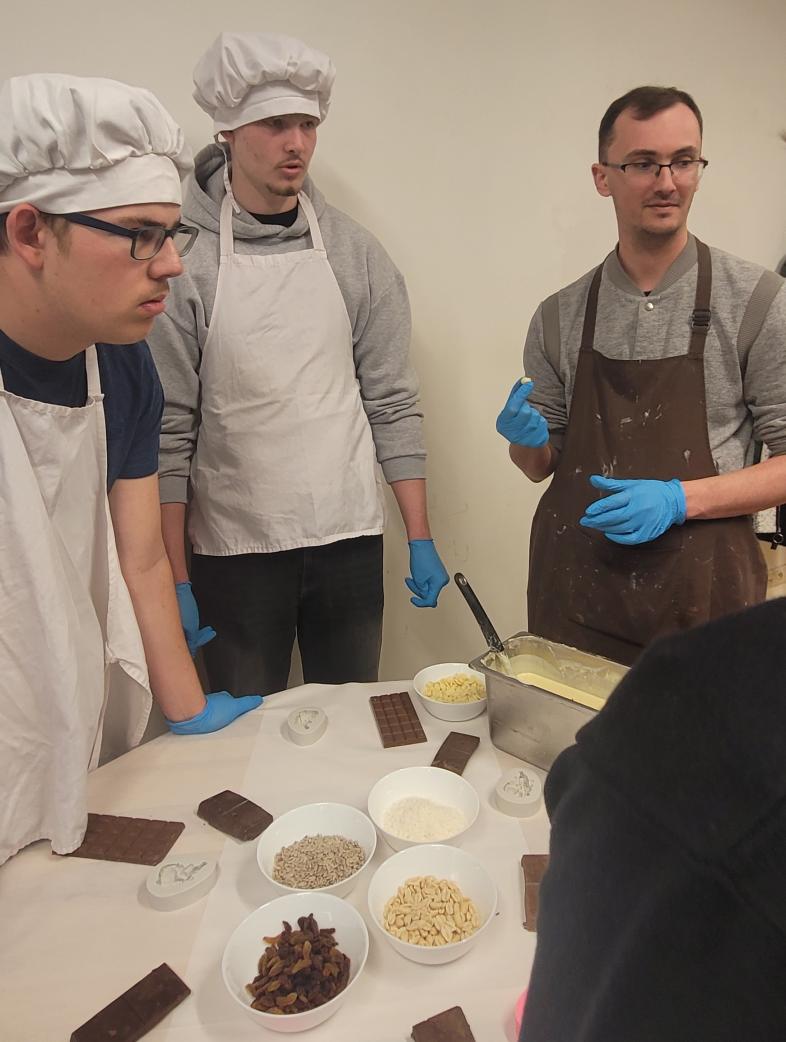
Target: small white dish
[
  {"x": 180, "y": 879},
  {"x": 448, "y": 710},
  {"x": 431, "y": 783},
  {"x": 326, "y": 819},
  {"x": 442, "y": 862},
  {"x": 246, "y": 946}
]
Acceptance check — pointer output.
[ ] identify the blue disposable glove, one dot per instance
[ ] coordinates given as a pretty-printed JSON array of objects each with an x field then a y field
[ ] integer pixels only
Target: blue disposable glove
[
  {"x": 221, "y": 709},
  {"x": 519, "y": 421},
  {"x": 428, "y": 573},
  {"x": 189, "y": 618},
  {"x": 638, "y": 509}
]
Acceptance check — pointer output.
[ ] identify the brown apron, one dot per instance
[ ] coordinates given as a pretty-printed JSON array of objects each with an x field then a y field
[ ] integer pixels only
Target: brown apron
[{"x": 633, "y": 418}]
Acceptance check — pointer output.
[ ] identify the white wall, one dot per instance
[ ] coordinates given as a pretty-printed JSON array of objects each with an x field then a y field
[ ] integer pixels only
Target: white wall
[{"x": 461, "y": 133}]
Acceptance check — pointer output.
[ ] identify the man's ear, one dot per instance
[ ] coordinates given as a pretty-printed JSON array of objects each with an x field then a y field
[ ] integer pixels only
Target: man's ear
[
  {"x": 27, "y": 234},
  {"x": 601, "y": 180}
]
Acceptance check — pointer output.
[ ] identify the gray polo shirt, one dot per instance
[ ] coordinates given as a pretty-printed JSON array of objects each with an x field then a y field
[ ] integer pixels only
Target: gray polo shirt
[{"x": 744, "y": 356}]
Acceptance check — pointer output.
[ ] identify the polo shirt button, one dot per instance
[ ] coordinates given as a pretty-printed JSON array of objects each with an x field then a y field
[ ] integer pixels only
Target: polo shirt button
[{"x": 649, "y": 306}]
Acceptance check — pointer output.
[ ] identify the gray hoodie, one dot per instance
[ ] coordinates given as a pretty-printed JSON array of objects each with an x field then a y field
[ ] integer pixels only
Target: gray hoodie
[{"x": 376, "y": 301}]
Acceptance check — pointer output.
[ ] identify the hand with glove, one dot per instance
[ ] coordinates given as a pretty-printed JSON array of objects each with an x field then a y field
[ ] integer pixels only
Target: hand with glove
[
  {"x": 221, "y": 709},
  {"x": 637, "y": 510},
  {"x": 519, "y": 421},
  {"x": 189, "y": 618},
  {"x": 428, "y": 573}
]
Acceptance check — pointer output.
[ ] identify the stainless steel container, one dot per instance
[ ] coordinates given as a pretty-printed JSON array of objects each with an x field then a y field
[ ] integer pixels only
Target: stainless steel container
[{"x": 530, "y": 722}]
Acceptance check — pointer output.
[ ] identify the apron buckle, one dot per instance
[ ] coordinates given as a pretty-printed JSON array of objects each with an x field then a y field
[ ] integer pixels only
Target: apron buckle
[{"x": 700, "y": 318}]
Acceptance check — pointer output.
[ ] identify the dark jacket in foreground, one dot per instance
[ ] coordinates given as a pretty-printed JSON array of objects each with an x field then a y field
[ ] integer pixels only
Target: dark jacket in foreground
[{"x": 663, "y": 912}]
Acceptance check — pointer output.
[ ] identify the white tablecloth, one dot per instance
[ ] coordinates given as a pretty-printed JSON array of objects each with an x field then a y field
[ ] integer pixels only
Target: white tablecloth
[{"x": 76, "y": 933}]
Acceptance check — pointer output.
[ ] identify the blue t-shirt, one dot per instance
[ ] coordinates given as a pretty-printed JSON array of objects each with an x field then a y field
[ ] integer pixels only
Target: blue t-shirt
[{"x": 133, "y": 397}]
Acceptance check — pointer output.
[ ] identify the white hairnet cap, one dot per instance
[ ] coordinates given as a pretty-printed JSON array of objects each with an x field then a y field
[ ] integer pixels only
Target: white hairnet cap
[
  {"x": 70, "y": 143},
  {"x": 243, "y": 77}
]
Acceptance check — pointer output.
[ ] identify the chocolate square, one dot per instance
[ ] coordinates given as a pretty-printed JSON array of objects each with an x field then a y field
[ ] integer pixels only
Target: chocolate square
[
  {"x": 534, "y": 868},
  {"x": 137, "y": 1010},
  {"x": 396, "y": 719},
  {"x": 238, "y": 817},
  {"x": 455, "y": 751},
  {"x": 450, "y": 1026},
  {"x": 138, "y": 841}
]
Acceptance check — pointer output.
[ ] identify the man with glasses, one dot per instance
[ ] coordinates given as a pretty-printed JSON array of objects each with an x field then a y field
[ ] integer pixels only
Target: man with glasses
[
  {"x": 284, "y": 358},
  {"x": 90, "y": 236},
  {"x": 650, "y": 382}
]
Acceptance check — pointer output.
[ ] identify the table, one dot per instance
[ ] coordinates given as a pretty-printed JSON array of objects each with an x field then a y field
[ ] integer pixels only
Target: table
[{"x": 76, "y": 933}]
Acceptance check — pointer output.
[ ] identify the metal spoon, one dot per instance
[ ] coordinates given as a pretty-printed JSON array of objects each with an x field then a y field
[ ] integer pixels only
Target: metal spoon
[{"x": 487, "y": 629}]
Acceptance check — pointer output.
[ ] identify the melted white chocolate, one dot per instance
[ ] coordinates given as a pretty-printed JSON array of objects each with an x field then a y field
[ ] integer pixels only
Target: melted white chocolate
[{"x": 558, "y": 687}]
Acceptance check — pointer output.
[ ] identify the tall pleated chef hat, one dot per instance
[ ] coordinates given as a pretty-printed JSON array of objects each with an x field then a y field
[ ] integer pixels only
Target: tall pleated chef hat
[
  {"x": 70, "y": 143},
  {"x": 243, "y": 77}
]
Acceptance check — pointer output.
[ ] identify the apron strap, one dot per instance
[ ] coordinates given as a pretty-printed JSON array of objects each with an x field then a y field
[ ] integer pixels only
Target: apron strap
[
  {"x": 591, "y": 311},
  {"x": 313, "y": 223},
  {"x": 701, "y": 314},
  {"x": 225, "y": 239},
  {"x": 93, "y": 373}
]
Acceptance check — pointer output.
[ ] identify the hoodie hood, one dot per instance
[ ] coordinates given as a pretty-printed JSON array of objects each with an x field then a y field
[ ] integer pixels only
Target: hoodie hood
[{"x": 203, "y": 193}]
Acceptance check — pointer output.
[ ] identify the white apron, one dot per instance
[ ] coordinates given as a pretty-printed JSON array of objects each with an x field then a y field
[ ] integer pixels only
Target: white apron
[
  {"x": 67, "y": 626},
  {"x": 285, "y": 456}
]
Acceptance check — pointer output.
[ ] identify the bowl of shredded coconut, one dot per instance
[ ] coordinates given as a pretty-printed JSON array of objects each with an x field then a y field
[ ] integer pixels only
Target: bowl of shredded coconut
[
  {"x": 321, "y": 847},
  {"x": 417, "y": 805},
  {"x": 451, "y": 691}
]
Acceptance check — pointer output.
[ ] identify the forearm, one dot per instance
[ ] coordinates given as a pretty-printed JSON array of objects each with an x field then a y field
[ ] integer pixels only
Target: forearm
[
  {"x": 173, "y": 522},
  {"x": 173, "y": 678},
  {"x": 537, "y": 464},
  {"x": 741, "y": 492},
  {"x": 411, "y": 498}
]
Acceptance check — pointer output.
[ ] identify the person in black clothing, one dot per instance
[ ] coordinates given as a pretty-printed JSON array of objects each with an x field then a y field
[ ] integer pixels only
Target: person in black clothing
[{"x": 663, "y": 910}]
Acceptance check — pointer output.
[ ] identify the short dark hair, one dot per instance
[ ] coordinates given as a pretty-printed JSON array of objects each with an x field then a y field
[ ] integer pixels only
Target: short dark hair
[{"x": 644, "y": 102}]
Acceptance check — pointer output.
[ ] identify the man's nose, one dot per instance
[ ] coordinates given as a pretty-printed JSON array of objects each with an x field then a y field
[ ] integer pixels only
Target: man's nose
[
  {"x": 664, "y": 180},
  {"x": 167, "y": 263},
  {"x": 295, "y": 141}
]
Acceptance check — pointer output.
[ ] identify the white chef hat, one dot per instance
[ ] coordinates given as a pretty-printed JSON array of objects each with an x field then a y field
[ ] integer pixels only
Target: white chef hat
[
  {"x": 70, "y": 143},
  {"x": 243, "y": 77}
]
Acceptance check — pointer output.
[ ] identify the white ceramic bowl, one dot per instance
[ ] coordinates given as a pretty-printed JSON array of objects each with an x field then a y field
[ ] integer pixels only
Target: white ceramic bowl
[
  {"x": 246, "y": 945},
  {"x": 445, "y": 863},
  {"x": 448, "y": 710},
  {"x": 327, "y": 819},
  {"x": 431, "y": 783}
]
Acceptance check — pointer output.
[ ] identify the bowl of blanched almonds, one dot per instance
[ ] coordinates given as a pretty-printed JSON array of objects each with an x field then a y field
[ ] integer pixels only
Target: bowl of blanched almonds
[
  {"x": 321, "y": 847},
  {"x": 451, "y": 691},
  {"x": 432, "y": 903}
]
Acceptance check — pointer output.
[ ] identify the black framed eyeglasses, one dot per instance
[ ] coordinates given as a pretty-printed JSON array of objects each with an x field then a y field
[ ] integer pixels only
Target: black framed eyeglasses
[
  {"x": 682, "y": 171},
  {"x": 146, "y": 241}
]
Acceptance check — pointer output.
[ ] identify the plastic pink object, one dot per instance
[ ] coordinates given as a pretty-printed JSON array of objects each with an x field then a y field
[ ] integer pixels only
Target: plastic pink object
[{"x": 518, "y": 1015}]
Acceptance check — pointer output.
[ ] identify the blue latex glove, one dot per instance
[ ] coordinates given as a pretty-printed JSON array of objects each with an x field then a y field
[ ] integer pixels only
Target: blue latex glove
[
  {"x": 638, "y": 509},
  {"x": 428, "y": 573},
  {"x": 221, "y": 709},
  {"x": 519, "y": 421},
  {"x": 189, "y": 618}
]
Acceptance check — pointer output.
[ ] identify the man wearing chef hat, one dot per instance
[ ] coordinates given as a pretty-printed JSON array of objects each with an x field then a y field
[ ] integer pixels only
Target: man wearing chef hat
[
  {"x": 284, "y": 358},
  {"x": 90, "y": 235},
  {"x": 654, "y": 377}
]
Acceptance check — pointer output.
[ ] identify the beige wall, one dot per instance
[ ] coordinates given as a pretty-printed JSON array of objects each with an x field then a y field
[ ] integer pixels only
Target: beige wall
[{"x": 461, "y": 133}]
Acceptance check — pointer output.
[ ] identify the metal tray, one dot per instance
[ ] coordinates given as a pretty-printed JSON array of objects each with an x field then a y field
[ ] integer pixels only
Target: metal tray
[{"x": 529, "y": 722}]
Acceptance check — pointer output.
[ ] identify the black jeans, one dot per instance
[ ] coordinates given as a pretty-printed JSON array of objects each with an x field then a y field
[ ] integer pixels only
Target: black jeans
[{"x": 330, "y": 597}]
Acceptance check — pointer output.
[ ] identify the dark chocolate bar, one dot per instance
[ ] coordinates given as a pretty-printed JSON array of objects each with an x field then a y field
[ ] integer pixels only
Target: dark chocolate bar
[
  {"x": 138, "y": 841},
  {"x": 137, "y": 1010},
  {"x": 455, "y": 751},
  {"x": 396, "y": 719},
  {"x": 238, "y": 817},
  {"x": 450, "y": 1026},
  {"x": 534, "y": 867}
]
